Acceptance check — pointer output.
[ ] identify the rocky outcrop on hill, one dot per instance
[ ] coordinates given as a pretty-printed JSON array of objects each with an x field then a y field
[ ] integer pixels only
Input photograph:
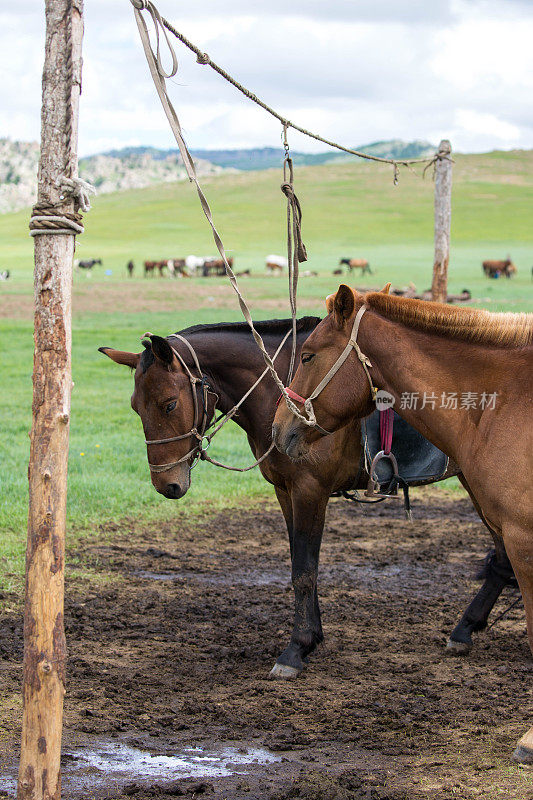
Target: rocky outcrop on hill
[{"x": 109, "y": 173}]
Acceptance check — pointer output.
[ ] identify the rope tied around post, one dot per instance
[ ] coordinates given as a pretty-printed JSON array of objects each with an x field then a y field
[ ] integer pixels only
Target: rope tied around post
[{"x": 53, "y": 218}]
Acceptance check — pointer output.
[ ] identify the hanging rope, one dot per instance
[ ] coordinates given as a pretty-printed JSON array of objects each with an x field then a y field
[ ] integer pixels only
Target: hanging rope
[
  {"x": 204, "y": 59},
  {"x": 159, "y": 76}
]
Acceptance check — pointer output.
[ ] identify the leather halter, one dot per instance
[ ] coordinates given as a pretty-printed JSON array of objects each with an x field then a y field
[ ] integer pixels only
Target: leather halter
[
  {"x": 199, "y": 425},
  {"x": 199, "y": 451},
  {"x": 310, "y": 420}
]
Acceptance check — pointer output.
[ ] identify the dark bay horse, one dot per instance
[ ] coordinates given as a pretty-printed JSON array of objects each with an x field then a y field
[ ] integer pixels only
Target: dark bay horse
[
  {"x": 231, "y": 363},
  {"x": 474, "y": 371}
]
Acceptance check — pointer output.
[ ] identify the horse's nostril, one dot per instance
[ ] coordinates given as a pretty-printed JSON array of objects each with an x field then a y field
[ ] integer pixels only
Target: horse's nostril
[{"x": 172, "y": 491}]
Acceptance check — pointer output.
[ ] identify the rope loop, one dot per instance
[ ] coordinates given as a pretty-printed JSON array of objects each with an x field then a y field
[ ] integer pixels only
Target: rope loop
[
  {"x": 51, "y": 218},
  {"x": 79, "y": 189},
  {"x": 147, "y": 5}
]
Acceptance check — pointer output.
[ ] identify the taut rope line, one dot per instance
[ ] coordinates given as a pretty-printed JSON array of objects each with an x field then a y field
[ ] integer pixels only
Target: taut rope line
[
  {"x": 159, "y": 76},
  {"x": 203, "y": 58}
]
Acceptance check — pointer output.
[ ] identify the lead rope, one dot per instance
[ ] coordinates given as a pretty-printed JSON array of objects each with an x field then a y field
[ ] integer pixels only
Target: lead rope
[
  {"x": 231, "y": 413},
  {"x": 297, "y": 253},
  {"x": 159, "y": 76},
  {"x": 199, "y": 451}
]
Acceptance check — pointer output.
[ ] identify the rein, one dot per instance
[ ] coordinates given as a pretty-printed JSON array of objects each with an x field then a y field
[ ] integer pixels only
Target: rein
[
  {"x": 310, "y": 419},
  {"x": 199, "y": 451}
]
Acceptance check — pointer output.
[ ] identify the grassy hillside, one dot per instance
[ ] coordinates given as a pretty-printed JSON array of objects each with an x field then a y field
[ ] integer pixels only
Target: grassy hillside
[{"x": 350, "y": 209}]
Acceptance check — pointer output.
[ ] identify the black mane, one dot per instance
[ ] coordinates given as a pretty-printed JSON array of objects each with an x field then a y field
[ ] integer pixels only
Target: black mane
[{"x": 263, "y": 327}]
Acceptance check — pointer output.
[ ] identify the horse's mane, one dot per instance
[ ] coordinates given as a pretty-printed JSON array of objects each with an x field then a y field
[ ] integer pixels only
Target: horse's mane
[
  {"x": 468, "y": 324},
  {"x": 263, "y": 327}
]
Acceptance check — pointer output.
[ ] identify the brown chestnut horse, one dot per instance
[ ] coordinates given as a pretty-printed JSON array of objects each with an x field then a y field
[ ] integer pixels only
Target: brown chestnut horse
[
  {"x": 472, "y": 371},
  {"x": 231, "y": 362}
]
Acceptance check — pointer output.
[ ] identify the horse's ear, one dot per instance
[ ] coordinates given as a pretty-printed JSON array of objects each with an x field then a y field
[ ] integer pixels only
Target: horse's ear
[
  {"x": 121, "y": 357},
  {"x": 330, "y": 299},
  {"x": 162, "y": 350},
  {"x": 343, "y": 304},
  {"x": 386, "y": 289}
]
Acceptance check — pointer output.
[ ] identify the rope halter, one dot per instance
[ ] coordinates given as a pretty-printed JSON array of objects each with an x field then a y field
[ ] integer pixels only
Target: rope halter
[
  {"x": 199, "y": 425},
  {"x": 310, "y": 419}
]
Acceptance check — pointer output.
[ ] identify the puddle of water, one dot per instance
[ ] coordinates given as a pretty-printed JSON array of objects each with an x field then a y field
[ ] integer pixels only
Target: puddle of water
[
  {"x": 215, "y": 579},
  {"x": 121, "y": 759},
  {"x": 115, "y": 763},
  {"x": 416, "y": 578}
]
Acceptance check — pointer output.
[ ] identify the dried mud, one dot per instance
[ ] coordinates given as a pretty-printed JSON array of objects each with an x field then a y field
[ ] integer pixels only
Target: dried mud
[{"x": 172, "y": 637}]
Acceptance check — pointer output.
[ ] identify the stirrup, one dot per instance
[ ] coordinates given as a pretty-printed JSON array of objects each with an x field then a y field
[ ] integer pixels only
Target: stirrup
[{"x": 373, "y": 487}]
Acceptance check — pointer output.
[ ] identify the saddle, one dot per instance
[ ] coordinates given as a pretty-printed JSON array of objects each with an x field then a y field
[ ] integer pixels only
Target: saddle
[{"x": 418, "y": 460}]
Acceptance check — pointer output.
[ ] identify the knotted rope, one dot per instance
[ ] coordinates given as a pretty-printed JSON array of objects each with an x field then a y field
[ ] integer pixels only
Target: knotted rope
[
  {"x": 159, "y": 76},
  {"x": 52, "y": 218}
]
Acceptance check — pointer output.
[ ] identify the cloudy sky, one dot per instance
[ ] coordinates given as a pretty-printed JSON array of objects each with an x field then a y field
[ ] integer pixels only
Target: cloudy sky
[{"x": 356, "y": 71}]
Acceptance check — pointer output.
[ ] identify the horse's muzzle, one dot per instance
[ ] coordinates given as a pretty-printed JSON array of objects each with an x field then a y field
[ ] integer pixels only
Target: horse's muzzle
[
  {"x": 173, "y": 491},
  {"x": 287, "y": 439}
]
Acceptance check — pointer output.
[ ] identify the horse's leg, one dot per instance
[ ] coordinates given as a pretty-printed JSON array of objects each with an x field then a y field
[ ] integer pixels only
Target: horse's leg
[
  {"x": 519, "y": 546},
  {"x": 308, "y": 509},
  {"x": 284, "y": 499},
  {"x": 497, "y": 574}
]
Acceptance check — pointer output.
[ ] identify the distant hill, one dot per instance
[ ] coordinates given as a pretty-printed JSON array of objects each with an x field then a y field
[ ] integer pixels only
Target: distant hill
[
  {"x": 257, "y": 158},
  {"x": 266, "y": 157}
]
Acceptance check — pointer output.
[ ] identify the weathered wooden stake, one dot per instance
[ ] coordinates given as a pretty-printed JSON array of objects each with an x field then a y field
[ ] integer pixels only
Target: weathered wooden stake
[
  {"x": 443, "y": 219},
  {"x": 44, "y": 638}
]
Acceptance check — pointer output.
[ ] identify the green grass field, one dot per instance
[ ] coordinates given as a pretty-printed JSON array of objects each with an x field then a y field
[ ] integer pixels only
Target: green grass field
[{"x": 350, "y": 209}]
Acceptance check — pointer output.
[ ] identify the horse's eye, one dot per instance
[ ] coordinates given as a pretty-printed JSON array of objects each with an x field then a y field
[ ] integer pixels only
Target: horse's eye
[
  {"x": 307, "y": 357},
  {"x": 171, "y": 406}
]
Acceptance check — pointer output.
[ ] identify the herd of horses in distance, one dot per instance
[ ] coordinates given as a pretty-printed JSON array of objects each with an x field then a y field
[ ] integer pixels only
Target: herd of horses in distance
[{"x": 210, "y": 266}]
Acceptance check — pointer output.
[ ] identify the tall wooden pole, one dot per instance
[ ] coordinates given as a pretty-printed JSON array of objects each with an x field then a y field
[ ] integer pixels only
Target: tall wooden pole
[
  {"x": 443, "y": 219},
  {"x": 44, "y": 637}
]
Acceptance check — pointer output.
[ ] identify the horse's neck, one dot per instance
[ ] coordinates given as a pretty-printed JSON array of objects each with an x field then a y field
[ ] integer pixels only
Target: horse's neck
[
  {"x": 425, "y": 373},
  {"x": 232, "y": 367}
]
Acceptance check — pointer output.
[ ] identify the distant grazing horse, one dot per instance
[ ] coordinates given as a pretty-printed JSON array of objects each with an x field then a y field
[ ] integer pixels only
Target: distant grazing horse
[
  {"x": 165, "y": 397},
  {"x": 194, "y": 263},
  {"x": 493, "y": 269},
  {"x": 4, "y": 275},
  {"x": 88, "y": 264},
  {"x": 274, "y": 263},
  {"x": 410, "y": 348},
  {"x": 151, "y": 266},
  {"x": 356, "y": 263},
  {"x": 130, "y": 266},
  {"x": 215, "y": 266}
]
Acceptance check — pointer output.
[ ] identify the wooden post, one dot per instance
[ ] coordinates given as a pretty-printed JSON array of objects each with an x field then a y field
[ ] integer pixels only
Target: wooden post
[
  {"x": 443, "y": 219},
  {"x": 44, "y": 637}
]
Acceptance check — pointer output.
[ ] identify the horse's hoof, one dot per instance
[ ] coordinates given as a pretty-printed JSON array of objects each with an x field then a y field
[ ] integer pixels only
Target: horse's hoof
[
  {"x": 523, "y": 756},
  {"x": 284, "y": 672},
  {"x": 458, "y": 648}
]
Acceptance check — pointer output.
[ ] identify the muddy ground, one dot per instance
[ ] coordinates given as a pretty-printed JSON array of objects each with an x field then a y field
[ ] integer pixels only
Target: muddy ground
[{"x": 172, "y": 632}]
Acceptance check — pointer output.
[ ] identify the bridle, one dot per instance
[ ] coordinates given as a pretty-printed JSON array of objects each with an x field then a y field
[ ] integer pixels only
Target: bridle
[
  {"x": 200, "y": 422},
  {"x": 310, "y": 419},
  {"x": 199, "y": 451}
]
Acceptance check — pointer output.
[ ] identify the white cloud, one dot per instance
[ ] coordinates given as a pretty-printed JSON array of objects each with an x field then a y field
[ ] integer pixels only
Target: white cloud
[{"x": 354, "y": 70}]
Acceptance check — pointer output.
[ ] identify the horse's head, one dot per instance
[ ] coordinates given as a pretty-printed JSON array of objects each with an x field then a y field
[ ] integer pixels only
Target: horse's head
[
  {"x": 163, "y": 398},
  {"x": 346, "y": 395}
]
